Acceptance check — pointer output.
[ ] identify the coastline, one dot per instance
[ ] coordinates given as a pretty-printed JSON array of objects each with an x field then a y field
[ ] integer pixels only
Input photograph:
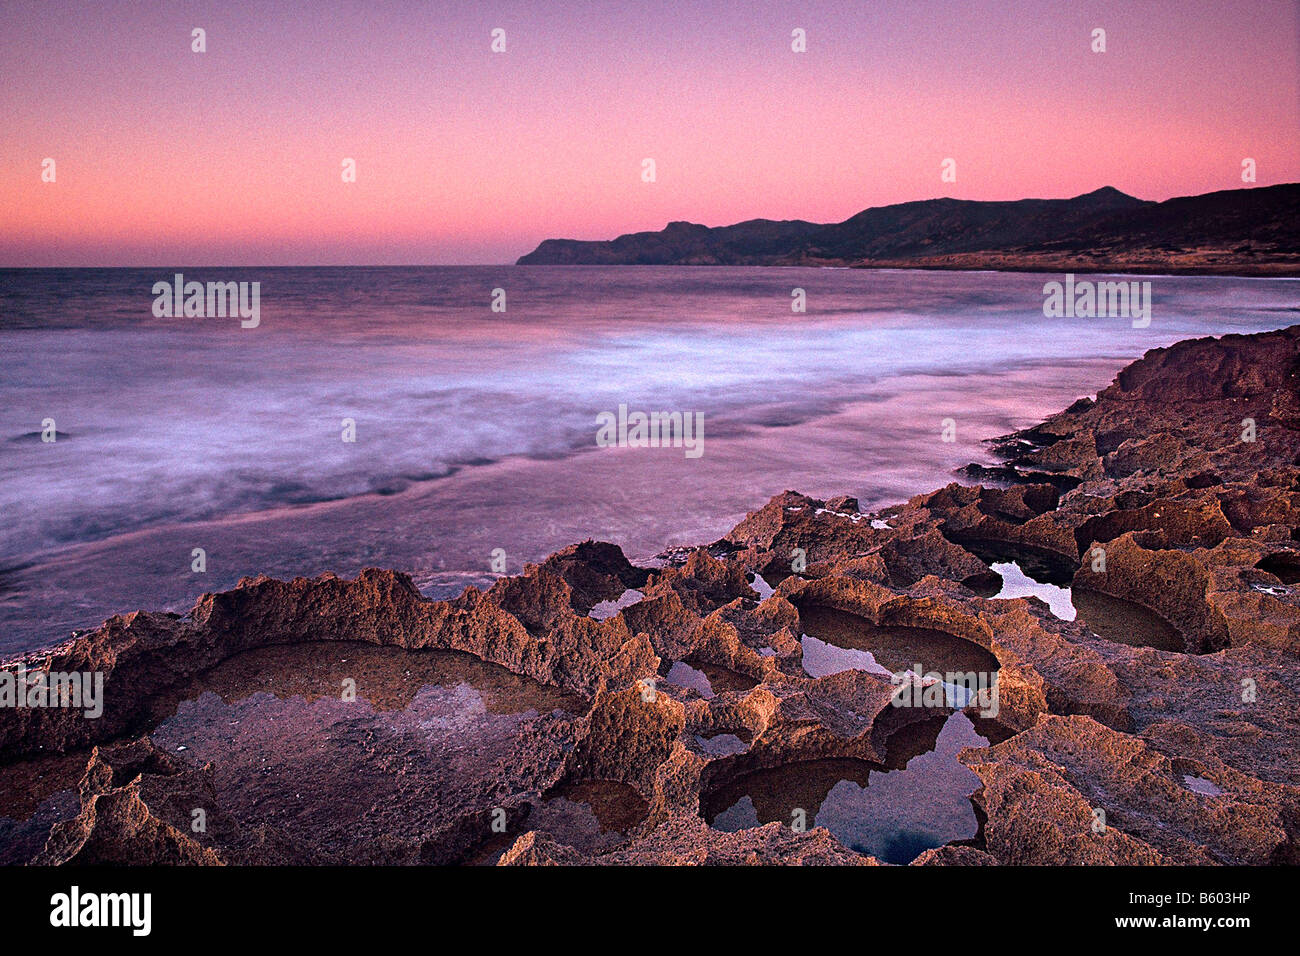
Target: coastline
[
  {"x": 442, "y": 531},
  {"x": 1248, "y": 231},
  {"x": 1198, "y": 529},
  {"x": 1286, "y": 269},
  {"x": 1281, "y": 269}
]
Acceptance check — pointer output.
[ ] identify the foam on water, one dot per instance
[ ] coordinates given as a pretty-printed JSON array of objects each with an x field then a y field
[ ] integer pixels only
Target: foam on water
[{"x": 167, "y": 422}]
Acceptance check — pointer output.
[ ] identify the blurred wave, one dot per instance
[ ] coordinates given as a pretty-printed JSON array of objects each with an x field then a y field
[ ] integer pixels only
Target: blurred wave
[{"x": 163, "y": 420}]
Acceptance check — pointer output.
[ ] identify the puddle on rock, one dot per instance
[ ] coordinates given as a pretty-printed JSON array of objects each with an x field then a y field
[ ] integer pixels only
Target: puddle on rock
[
  {"x": 1207, "y": 788},
  {"x": 837, "y": 641},
  {"x": 591, "y": 816},
  {"x": 821, "y": 659},
  {"x": 708, "y": 680},
  {"x": 595, "y": 813},
  {"x": 919, "y": 799},
  {"x": 1037, "y": 564},
  {"x": 1017, "y": 584},
  {"x": 607, "y": 609},
  {"x": 1277, "y": 591},
  {"x": 428, "y": 734},
  {"x": 1125, "y": 622},
  {"x": 724, "y": 743},
  {"x": 1108, "y": 617}
]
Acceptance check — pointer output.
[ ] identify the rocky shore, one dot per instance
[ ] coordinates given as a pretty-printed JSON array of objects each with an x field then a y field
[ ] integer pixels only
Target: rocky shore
[{"x": 616, "y": 711}]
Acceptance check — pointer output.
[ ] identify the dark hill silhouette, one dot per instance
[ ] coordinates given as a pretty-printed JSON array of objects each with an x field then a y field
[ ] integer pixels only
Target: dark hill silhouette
[{"x": 1234, "y": 230}]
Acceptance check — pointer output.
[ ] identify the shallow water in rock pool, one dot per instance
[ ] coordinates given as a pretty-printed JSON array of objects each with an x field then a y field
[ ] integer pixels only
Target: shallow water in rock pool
[
  {"x": 920, "y": 797},
  {"x": 427, "y": 735},
  {"x": 1112, "y": 618},
  {"x": 893, "y": 649}
]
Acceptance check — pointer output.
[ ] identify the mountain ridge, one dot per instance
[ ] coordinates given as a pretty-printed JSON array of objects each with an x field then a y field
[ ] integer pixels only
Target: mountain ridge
[{"x": 1252, "y": 230}]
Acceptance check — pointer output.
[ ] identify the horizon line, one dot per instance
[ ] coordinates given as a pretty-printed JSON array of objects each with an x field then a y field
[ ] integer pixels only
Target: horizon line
[{"x": 515, "y": 262}]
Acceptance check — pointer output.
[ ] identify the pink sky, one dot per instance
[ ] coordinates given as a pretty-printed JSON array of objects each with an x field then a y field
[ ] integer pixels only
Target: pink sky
[{"x": 168, "y": 157}]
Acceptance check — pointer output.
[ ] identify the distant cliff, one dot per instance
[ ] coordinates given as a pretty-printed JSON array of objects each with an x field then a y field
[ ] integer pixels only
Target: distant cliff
[{"x": 1240, "y": 230}]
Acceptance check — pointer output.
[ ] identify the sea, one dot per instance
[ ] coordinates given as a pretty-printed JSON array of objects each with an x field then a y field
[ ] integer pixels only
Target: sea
[{"x": 443, "y": 421}]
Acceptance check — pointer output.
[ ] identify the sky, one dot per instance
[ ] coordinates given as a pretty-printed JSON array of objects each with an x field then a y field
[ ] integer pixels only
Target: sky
[{"x": 233, "y": 156}]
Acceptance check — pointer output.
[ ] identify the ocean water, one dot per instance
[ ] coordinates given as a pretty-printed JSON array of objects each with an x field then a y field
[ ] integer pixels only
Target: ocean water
[{"x": 476, "y": 430}]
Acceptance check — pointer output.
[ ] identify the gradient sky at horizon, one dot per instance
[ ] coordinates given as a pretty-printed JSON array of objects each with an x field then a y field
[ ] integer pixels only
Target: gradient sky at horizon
[{"x": 168, "y": 157}]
